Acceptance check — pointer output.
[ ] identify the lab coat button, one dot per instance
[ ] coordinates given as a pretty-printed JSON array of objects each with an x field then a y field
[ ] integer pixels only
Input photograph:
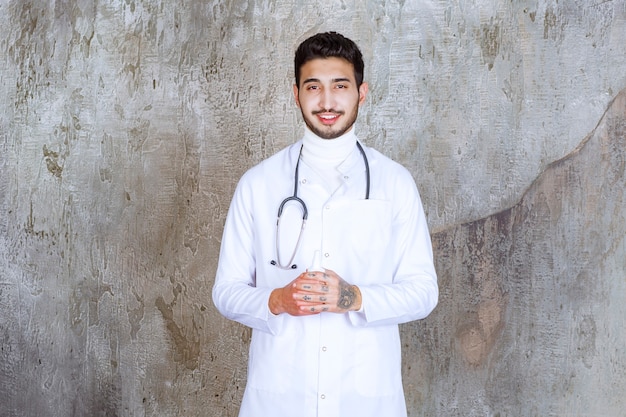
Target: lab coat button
[
  {"x": 323, "y": 397},
  {"x": 327, "y": 254},
  {"x": 324, "y": 349}
]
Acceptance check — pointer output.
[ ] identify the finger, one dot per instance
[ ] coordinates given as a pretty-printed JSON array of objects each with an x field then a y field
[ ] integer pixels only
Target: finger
[
  {"x": 320, "y": 275},
  {"x": 329, "y": 273},
  {"x": 311, "y": 285},
  {"x": 314, "y": 299},
  {"x": 306, "y": 277},
  {"x": 307, "y": 286},
  {"x": 305, "y": 312},
  {"x": 314, "y": 309},
  {"x": 323, "y": 301}
]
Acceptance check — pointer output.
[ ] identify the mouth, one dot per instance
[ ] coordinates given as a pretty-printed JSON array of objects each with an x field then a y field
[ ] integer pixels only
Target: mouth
[{"x": 328, "y": 118}]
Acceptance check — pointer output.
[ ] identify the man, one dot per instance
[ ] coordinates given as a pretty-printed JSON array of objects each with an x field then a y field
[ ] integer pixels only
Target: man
[{"x": 325, "y": 339}]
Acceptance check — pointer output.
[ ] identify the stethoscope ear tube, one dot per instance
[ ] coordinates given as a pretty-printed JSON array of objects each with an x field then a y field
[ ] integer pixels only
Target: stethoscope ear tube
[{"x": 367, "y": 171}]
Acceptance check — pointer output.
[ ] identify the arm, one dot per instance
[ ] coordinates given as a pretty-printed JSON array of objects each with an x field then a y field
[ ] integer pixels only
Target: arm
[
  {"x": 411, "y": 292},
  {"x": 235, "y": 292}
]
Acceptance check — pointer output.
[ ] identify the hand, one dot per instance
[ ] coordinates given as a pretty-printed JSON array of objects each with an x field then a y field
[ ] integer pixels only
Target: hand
[
  {"x": 290, "y": 300},
  {"x": 315, "y": 292}
]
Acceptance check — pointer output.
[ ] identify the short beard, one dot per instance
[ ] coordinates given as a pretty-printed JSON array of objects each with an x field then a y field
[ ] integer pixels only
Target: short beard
[{"x": 332, "y": 134}]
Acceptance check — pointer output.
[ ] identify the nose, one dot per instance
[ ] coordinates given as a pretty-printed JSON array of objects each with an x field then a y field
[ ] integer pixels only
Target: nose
[{"x": 327, "y": 100}]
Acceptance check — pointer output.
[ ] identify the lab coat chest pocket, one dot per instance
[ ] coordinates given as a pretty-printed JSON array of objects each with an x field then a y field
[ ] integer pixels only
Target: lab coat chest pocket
[{"x": 364, "y": 231}]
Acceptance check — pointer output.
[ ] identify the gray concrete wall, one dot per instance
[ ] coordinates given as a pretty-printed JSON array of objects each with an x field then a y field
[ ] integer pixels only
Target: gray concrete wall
[{"x": 124, "y": 126}]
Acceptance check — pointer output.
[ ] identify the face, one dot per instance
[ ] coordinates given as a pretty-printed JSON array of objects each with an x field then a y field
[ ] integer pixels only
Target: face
[{"x": 328, "y": 96}]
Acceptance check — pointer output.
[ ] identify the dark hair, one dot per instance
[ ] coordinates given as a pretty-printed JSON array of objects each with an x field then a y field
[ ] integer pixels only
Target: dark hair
[{"x": 329, "y": 45}]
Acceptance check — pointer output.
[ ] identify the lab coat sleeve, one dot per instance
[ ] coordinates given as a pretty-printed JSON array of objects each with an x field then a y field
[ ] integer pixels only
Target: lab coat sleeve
[
  {"x": 412, "y": 292},
  {"x": 235, "y": 293}
]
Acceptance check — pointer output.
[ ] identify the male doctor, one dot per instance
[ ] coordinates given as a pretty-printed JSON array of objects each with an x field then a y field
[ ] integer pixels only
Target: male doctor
[{"x": 325, "y": 287}]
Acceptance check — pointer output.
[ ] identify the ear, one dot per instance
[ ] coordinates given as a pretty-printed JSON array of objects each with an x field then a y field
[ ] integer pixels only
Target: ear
[
  {"x": 363, "y": 88},
  {"x": 295, "y": 94}
]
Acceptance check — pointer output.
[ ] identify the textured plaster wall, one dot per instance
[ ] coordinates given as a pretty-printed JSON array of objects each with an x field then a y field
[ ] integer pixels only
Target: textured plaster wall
[{"x": 124, "y": 126}]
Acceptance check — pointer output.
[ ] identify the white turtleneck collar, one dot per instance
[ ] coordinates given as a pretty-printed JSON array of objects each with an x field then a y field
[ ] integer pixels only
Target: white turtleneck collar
[{"x": 326, "y": 153}]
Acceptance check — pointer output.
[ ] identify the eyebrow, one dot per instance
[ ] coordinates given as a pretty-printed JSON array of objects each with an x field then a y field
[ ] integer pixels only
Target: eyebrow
[{"x": 334, "y": 80}]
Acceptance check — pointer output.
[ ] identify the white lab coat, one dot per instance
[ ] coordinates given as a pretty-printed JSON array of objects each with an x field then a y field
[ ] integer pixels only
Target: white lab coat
[{"x": 327, "y": 365}]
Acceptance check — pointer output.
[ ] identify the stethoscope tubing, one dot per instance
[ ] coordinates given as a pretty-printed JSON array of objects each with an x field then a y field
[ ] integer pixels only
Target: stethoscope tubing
[{"x": 305, "y": 211}]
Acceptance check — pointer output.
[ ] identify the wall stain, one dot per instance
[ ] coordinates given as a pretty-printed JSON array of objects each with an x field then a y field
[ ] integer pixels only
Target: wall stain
[
  {"x": 585, "y": 339},
  {"x": 525, "y": 287},
  {"x": 83, "y": 304},
  {"x": 52, "y": 162},
  {"x": 478, "y": 335},
  {"x": 484, "y": 252},
  {"x": 135, "y": 316},
  {"x": 187, "y": 351},
  {"x": 490, "y": 43},
  {"x": 552, "y": 28}
]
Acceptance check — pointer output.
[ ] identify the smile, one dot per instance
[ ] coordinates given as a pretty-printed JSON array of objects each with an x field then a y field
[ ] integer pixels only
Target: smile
[{"x": 328, "y": 118}]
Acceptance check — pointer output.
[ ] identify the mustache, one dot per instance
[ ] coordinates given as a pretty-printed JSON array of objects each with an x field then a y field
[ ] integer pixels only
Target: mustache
[{"x": 315, "y": 112}]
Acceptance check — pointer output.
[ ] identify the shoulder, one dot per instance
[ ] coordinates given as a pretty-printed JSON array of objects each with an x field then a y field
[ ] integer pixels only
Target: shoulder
[
  {"x": 281, "y": 164},
  {"x": 385, "y": 167},
  {"x": 391, "y": 181}
]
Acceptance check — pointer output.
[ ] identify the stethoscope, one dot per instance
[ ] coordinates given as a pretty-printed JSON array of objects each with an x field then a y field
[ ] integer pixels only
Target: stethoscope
[{"x": 305, "y": 212}]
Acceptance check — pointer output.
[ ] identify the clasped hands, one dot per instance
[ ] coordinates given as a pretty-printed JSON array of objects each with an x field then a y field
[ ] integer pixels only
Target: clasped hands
[{"x": 315, "y": 292}]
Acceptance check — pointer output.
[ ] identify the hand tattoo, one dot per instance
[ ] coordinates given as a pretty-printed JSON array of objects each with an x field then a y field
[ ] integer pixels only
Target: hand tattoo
[{"x": 347, "y": 296}]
